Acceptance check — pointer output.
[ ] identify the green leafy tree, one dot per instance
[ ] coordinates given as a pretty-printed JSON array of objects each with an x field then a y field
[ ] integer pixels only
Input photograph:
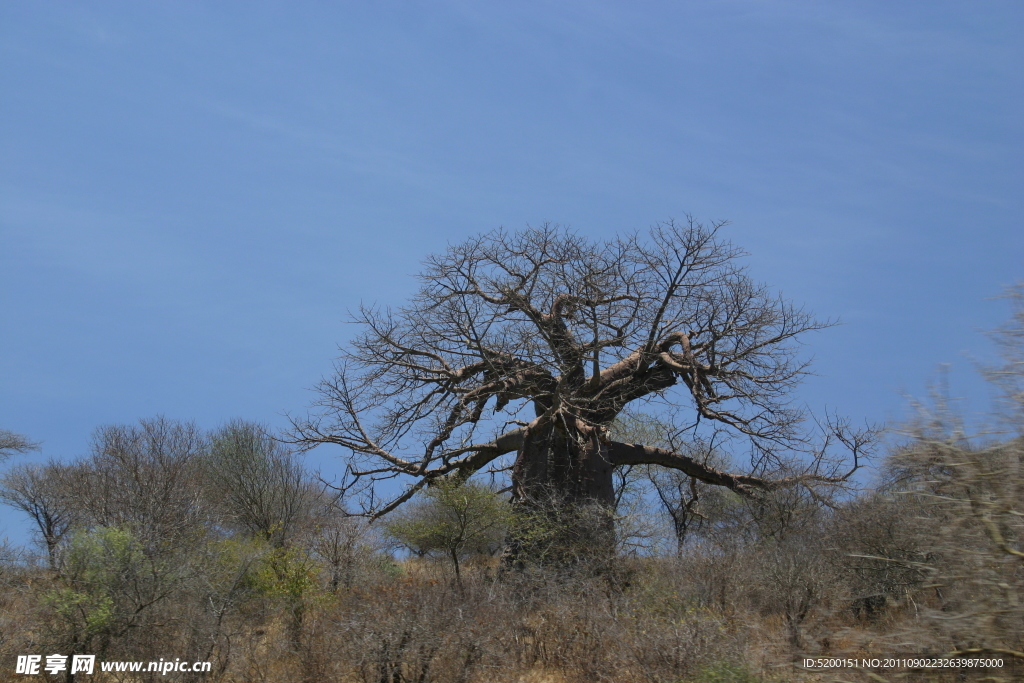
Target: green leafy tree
[
  {"x": 108, "y": 586},
  {"x": 452, "y": 520}
]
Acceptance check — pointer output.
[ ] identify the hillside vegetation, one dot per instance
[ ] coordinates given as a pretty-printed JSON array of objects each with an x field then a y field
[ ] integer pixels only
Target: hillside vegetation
[{"x": 169, "y": 542}]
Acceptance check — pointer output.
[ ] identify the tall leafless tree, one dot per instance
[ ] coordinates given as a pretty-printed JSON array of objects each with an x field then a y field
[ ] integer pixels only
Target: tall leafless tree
[{"x": 533, "y": 342}]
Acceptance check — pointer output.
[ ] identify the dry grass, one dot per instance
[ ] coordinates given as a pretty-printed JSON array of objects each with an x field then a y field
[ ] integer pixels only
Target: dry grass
[
  {"x": 669, "y": 622},
  {"x": 888, "y": 574}
]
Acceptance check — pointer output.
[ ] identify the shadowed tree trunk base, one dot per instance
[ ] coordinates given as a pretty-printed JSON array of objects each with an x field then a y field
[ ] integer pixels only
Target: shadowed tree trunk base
[{"x": 563, "y": 498}]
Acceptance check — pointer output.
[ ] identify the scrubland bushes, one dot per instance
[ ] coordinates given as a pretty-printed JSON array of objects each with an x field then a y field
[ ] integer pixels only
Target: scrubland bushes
[
  {"x": 926, "y": 564},
  {"x": 167, "y": 542}
]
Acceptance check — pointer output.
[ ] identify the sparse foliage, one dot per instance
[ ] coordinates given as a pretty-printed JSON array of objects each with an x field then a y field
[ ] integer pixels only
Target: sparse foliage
[{"x": 259, "y": 486}]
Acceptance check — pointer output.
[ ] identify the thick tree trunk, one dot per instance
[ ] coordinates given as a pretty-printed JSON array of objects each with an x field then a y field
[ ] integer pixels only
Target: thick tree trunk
[
  {"x": 563, "y": 495},
  {"x": 566, "y": 459}
]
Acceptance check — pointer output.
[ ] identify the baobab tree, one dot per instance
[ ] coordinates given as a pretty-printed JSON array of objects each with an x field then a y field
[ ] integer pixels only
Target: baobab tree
[{"x": 531, "y": 343}]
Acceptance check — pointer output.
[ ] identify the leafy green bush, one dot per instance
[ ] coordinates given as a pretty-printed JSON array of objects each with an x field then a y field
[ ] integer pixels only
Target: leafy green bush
[{"x": 453, "y": 520}]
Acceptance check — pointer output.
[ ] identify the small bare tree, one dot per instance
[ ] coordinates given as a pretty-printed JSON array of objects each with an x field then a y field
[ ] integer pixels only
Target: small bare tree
[
  {"x": 339, "y": 541},
  {"x": 44, "y": 493},
  {"x": 532, "y": 343},
  {"x": 144, "y": 479},
  {"x": 257, "y": 483}
]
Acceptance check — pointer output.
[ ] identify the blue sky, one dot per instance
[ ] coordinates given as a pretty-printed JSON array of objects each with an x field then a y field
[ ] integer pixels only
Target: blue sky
[{"x": 192, "y": 195}]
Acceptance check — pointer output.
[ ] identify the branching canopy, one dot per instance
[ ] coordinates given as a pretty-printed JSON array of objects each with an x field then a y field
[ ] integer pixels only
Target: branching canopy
[{"x": 512, "y": 331}]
